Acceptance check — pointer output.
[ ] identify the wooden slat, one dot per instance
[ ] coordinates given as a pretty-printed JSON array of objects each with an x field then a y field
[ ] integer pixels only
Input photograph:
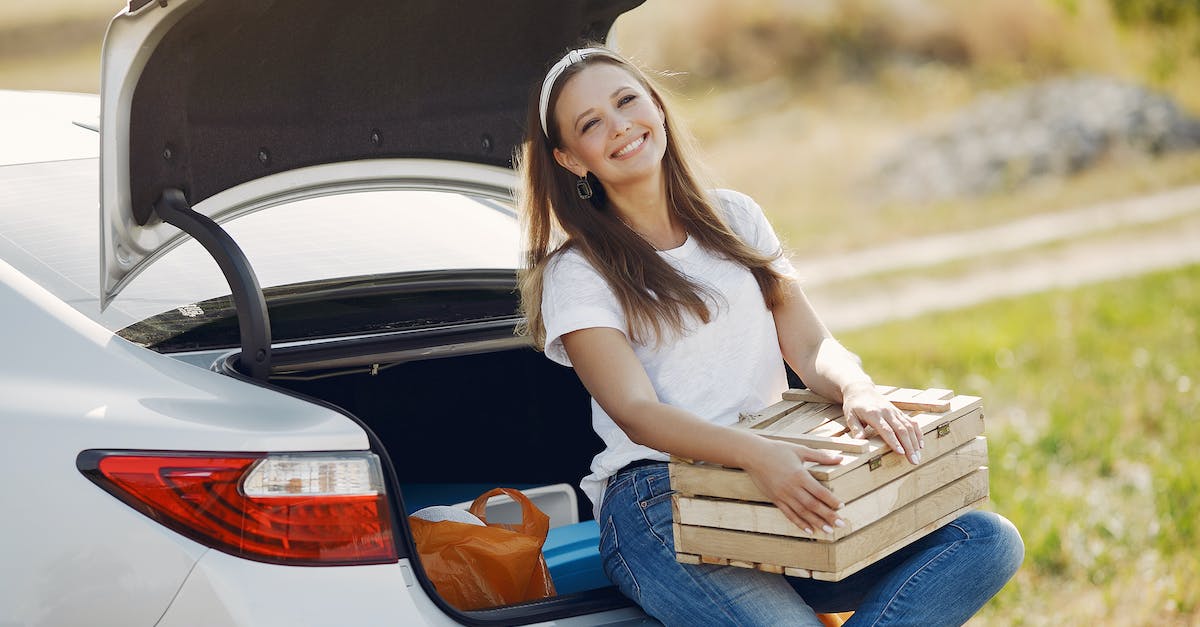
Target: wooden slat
[
  {"x": 931, "y": 400},
  {"x": 762, "y": 518},
  {"x": 860, "y": 480},
  {"x": 935, "y": 394},
  {"x": 804, "y": 394},
  {"x": 676, "y": 519},
  {"x": 927, "y": 478},
  {"x": 899, "y": 544},
  {"x": 835, "y": 557},
  {"x": 807, "y": 395},
  {"x": 929, "y": 428},
  {"x": 959, "y": 405},
  {"x": 763, "y": 418},
  {"x": 837, "y": 443},
  {"x": 723, "y": 543},
  {"x": 814, "y": 409},
  {"x": 909, "y": 519},
  {"x": 928, "y": 423},
  {"x": 718, "y": 561},
  {"x": 836, "y": 425},
  {"x": 909, "y": 399},
  {"x": 848, "y": 481},
  {"x": 792, "y": 571},
  {"x": 802, "y": 421},
  {"x": 711, "y": 479},
  {"x": 687, "y": 558},
  {"x": 771, "y": 568}
]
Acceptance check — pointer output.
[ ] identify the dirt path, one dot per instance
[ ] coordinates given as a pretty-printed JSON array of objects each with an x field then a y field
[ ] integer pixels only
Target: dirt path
[{"x": 1063, "y": 249}]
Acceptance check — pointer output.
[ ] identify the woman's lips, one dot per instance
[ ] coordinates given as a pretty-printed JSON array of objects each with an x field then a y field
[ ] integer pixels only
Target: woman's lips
[{"x": 631, "y": 147}]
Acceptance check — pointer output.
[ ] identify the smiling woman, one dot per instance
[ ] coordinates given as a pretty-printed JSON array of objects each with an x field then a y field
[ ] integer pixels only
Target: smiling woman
[{"x": 676, "y": 308}]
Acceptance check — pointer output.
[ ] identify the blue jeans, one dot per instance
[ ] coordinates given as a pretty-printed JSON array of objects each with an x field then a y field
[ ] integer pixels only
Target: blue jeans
[{"x": 942, "y": 579}]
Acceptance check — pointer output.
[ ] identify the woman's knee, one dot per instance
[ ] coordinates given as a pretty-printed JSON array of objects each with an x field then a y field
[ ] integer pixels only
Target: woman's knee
[{"x": 1000, "y": 540}]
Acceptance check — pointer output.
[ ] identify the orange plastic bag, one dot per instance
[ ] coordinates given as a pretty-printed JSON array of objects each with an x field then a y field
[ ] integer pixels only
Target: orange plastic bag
[{"x": 475, "y": 567}]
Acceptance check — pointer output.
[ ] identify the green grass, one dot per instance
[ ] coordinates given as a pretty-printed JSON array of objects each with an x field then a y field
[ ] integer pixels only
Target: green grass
[{"x": 1092, "y": 398}]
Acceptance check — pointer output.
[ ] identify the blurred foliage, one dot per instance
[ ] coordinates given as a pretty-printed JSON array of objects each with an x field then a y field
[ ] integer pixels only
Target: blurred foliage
[
  {"x": 1168, "y": 12},
  {"x": 1091, "y": 398},
  {"x": 795, "y": 101},
  {"x": 714, "y": 41},
  {"x": 999, "y": 42}
]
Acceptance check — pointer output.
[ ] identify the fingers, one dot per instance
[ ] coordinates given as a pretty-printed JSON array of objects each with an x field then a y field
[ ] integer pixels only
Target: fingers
[
  {"x": 811, "y": 508},
  {"x": 821, "y": 456},
  {"x": 855, "y": 426},
  {"x": 805, "y": 502},
  {"x": 899, "y": 431},
  {"x": 908, "y": 432}
]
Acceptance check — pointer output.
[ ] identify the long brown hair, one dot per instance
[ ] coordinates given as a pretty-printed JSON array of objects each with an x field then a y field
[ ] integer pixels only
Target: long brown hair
[{"x": 655, "y": 297}]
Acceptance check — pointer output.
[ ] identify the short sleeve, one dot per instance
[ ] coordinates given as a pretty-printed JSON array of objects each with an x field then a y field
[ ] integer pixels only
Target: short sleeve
[
  {"x": 574, "y": 297},
  {"x": 749, "y": 222}
]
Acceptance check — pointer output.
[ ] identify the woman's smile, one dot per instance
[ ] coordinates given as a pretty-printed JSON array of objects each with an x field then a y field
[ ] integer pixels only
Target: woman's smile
[{"x": 631, "y": 147}]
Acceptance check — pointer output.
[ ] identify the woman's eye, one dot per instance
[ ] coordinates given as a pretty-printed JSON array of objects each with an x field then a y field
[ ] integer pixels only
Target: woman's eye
[
  {"x": 626, "y": 99},
  {"x": 589, "y": 124}
]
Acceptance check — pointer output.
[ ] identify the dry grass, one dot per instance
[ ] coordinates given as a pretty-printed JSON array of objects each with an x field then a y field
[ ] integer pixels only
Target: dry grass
[
  {"x": 997, "y": 42},
  {"x": 798, "y": 128},
  {"x": 20, "y": 14},
  {"x": 53, "y": 45}
]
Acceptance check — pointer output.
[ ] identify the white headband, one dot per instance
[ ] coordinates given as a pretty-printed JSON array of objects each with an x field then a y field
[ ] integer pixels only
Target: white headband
[{"x": 571, "y": 58}]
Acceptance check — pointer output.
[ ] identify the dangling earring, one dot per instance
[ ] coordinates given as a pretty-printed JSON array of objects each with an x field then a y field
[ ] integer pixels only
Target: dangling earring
[{"x": 583, "y": 187}]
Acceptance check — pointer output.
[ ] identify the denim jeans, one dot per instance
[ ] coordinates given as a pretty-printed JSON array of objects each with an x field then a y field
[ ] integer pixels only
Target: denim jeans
[{"x": 942, "y": 579}]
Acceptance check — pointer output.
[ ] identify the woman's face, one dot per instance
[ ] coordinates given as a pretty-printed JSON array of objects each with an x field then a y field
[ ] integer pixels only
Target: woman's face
[{"x": 609, "y": 126}]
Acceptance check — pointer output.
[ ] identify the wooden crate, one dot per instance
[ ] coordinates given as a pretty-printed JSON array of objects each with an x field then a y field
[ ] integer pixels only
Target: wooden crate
[{"x": 722, "y": 518}]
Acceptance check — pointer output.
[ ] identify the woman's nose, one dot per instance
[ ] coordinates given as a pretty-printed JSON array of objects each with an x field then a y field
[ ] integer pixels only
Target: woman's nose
[{"x": 621, "y": 125}]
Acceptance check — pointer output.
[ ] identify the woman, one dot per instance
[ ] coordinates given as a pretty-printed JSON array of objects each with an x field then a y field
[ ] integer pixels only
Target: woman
[{"x": 677, "y": 310}]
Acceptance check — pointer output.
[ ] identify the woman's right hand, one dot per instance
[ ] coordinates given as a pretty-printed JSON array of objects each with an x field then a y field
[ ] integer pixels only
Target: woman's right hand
[{"x": 777, "y": 468}]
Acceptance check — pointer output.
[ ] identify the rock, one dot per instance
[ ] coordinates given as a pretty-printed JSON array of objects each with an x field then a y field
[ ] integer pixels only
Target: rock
[{"x": 1050, "y": 129}]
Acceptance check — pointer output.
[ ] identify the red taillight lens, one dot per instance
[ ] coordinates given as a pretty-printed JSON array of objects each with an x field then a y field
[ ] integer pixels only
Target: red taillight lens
[{"x": 312, "y": 509}]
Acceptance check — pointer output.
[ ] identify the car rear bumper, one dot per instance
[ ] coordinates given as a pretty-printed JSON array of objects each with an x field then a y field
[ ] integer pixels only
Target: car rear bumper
[{"x": 226, "y": 590}]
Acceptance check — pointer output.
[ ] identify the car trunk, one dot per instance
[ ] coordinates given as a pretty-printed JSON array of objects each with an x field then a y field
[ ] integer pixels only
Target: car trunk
[
  {"x": 457, "y": 411},
  {"x": 481, "y": 416}
]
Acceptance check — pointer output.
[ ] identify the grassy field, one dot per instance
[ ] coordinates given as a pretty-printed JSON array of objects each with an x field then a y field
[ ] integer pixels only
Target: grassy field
[
  {"x": 794, "y": 102},
  {"x": 1091, "y": 397}
]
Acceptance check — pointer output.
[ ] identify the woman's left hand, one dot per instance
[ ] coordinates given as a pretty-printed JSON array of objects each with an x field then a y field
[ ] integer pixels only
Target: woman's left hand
[{"x": 865, "y": 407}]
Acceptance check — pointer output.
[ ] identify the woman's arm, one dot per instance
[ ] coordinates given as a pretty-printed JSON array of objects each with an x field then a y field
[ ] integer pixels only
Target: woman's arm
[
  {"x": 830, "y": 370},
  {"x": 611, "y": 372}
]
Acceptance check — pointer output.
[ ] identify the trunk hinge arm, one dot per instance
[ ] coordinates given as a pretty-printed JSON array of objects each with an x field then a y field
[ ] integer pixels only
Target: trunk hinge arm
[{"x": 248, "y": 299}]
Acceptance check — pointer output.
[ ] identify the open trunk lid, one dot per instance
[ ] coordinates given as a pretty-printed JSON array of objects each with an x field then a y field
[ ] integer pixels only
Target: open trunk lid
[{"x": 200, "y": 96}]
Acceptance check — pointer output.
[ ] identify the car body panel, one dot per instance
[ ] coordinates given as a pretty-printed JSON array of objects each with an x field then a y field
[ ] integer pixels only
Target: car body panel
[
  {"x": 397, "y": 223},
  {"x": 121, "y": 396},
  {"x": 225, "y": 590},
  {"x": 47, "y": 126},
  {"x": 205, "y": 96},
  {"x": 153, "y": 401}
]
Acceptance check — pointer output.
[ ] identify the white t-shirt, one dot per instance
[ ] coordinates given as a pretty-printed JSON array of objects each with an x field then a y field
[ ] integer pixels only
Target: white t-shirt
[{"x": 716, "y": 370}]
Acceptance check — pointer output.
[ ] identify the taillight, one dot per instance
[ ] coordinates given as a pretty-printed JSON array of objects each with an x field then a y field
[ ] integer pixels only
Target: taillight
[{"x": 319, "y": 509}]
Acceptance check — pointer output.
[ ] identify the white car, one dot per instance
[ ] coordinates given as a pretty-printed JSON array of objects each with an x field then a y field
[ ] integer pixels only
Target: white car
[{"x": 258, "y": 306}]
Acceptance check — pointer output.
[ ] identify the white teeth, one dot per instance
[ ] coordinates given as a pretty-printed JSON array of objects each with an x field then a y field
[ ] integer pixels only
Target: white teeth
[{"x": 630, "y": 147}]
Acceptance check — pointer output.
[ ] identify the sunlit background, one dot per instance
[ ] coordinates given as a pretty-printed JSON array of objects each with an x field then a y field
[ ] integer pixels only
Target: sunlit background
[{"x": 1001, "y": 197}]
